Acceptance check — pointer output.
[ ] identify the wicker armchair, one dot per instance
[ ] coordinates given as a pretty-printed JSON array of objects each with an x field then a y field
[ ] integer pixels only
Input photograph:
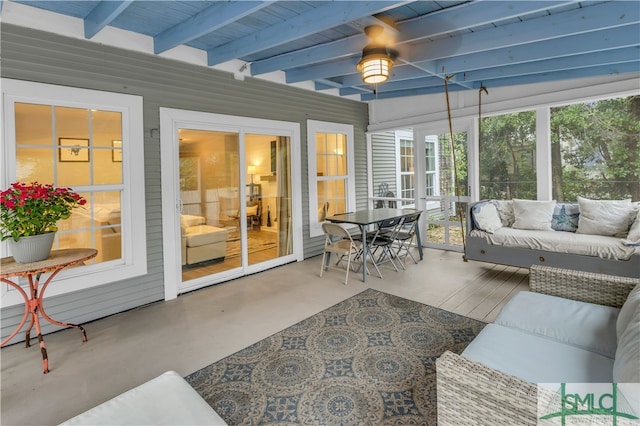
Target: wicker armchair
[{"x": 470, "y": 393}]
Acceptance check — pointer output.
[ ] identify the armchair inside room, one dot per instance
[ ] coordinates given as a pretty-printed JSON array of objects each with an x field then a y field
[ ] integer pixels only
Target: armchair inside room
[
  {"x": 254, "y": 213},
  {"x": 230, "y": 209}
]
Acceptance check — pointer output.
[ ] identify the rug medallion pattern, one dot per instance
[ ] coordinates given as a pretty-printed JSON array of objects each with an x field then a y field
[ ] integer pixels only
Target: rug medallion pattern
[{"x": 369, "y": 360}]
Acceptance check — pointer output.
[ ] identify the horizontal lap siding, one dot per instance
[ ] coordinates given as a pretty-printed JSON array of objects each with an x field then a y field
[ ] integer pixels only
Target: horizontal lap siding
[
  {"x": 383, "y": 160},
  {"x": 47, "y": 58}
]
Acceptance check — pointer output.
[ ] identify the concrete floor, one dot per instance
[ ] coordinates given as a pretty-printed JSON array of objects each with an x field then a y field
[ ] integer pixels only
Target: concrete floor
[{"x": 204, "y": 326}]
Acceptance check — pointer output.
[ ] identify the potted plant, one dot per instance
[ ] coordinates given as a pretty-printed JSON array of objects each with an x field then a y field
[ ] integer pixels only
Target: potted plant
[{"x": 28, "y": 217}]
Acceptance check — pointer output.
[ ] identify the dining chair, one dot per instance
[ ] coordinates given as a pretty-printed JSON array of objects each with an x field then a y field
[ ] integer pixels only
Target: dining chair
[
  {"x": 404, "y": 238},
  {"x": 338, "y": 240},
  {"x": 380, "y": 242}
]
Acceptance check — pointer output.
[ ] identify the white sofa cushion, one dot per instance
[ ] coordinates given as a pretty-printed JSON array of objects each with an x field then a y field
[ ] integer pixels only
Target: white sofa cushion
[
  {"x": 537, "y": 359},
  {"x": 166, "y": 400},
  {"x": 633, "y": 238},
  {"x": 486, "y": 217},
  {"x": 627, "y": 311},
  {"x": 626, "y": 367},
  {"x": 505, "y": 209},
  {"x": 604, "y": 217},
  {"x": 585, "y": 325},
  {"x": 187, "y": 220},
  {"x": 204, "y": 234},
  {"x": 533, "y": 214}
]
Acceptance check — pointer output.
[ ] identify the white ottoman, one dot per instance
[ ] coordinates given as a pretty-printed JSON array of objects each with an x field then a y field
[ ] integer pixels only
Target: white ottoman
[
  {"x": 204, "y": 242},
  {"x": 166, "y": 400}
]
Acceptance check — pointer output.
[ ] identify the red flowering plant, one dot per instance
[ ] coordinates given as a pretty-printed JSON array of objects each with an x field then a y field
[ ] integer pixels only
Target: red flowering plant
[{"x": 34, "y": 209}]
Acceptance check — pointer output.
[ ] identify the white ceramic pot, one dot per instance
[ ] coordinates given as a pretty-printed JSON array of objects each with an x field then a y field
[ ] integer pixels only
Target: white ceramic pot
[{"x": 33, "y": 248}]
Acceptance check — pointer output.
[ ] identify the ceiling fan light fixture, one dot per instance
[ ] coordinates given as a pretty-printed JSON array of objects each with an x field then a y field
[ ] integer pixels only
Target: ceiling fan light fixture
[
  {"x": 377, "y": 60},
  {"x": 375, "y": 66}
]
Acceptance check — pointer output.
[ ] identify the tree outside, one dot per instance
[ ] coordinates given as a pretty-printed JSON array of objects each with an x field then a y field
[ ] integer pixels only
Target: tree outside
[{"x": 595, "y": 152}]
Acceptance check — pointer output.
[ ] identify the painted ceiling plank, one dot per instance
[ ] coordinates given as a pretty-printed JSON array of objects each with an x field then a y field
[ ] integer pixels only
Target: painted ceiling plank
[
  {"x": 487, "y": 41},
  {"x": 214, "y": 17},
  {"x": 612, "y": 38},
  {"x": 471, "y": 15},
  {"x": 593, "y": 18},
  {"x": 409, "y": 92},
  {"x": 325, "y": 70},
  {"x": 321, "y": 18},
  {"x": 610, "y": 57},
  {"x": 323, "y": 52},
  {"x": 623, "y": 68},
  {"x": 102, "y": 15},
  {"x": 437, "y": 23}
]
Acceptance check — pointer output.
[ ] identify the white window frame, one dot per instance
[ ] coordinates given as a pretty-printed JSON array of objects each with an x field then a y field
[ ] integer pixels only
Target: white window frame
[
  {"x": 436, "y": 173},
  {"x": 314, "y": 127},
  {"x": 134, "y": 240},
  {"x": 400, "y": 136}
]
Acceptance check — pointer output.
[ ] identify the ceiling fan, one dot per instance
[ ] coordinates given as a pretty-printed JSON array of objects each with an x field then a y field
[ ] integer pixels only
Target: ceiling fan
[{"x": 377, "y": 58}]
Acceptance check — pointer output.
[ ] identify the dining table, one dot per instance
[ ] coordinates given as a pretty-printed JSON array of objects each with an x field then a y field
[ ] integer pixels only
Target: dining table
[{"x": 366, "y": 218}]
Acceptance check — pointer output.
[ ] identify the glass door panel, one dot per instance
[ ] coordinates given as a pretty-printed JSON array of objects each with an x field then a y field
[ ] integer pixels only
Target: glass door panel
[
  {"x": 268, "y": 198},
  {"x": 209, "y": 184},
  {"x": 444, "y": 204}
]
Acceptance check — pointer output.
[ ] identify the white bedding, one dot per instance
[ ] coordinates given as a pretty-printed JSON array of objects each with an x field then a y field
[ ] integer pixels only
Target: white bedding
[{"x": 561, "y": 242}]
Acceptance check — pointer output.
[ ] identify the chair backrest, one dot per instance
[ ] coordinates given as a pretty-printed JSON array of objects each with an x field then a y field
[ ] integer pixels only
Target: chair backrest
[
  {"x": 335, "y": 230},
  {"x": 390, "y": 224},
  {"x": 408, "y": 226},
  {"x": 411, "y": 219},
  {"x": 387, "y": 229}
]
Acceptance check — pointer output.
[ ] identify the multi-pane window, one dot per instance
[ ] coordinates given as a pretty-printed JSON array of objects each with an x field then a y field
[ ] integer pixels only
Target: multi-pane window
[
  {"x": 91, "y": 142},
  {"x": 431, "y": 167},
  {"x": 79, "y": 148},
  {"x": 407, "y": 186},
  {"x": 331, "y": 174}
]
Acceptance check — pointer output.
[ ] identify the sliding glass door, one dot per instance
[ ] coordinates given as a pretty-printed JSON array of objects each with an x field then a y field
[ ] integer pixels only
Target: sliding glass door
[{"x": 233, "y": 209}]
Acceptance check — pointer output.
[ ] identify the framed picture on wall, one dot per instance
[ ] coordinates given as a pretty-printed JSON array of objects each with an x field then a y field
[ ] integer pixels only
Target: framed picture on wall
[
  {"x": 73, "y": 150},
  {"x": 116, "y": 154}
]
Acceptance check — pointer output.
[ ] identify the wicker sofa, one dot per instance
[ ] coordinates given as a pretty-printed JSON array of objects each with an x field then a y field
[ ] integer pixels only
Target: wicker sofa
[{"x": 534, "y": 340}]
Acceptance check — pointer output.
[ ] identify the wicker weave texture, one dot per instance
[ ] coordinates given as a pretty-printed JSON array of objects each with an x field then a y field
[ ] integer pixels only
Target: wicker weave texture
[
  {"x": 588, "y": 287},
  {"x": 469, "y": 393}
]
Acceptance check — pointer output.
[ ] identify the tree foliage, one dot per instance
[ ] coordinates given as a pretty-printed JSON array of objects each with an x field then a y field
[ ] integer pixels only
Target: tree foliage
[
  {"x": 507, "y": 156},
  {"x": 595, "y": 149}
]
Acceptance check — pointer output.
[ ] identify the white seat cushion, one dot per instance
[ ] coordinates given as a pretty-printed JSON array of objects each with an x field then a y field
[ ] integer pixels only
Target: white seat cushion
[
  {"x": 584, "y": 325},
  {"x": 204, "y": 234},
  {"x": 537, "y": 359},
  {"x": 166, "y": 400}
]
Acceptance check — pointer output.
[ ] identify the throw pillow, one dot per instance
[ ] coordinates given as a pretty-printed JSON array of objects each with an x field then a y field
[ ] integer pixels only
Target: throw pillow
[
  {"x": 633, "y": 238},
  {"x": 565, "y": 217},
  {"x": 604, "y": 217},
  {"x": 505, "y": 210},
  {"x": 486, "y": 217},
  {"x": 252, "y": 210},
  {"x": 533, "y": 214}
]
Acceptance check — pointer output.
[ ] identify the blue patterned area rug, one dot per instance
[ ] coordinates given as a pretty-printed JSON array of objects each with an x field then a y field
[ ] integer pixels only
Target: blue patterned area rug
[{"x": 369, "y": 360}]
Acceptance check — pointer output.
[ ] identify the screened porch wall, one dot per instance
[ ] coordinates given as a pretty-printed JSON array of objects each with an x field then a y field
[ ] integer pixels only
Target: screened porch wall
[{"x": 39, "y": 56}]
